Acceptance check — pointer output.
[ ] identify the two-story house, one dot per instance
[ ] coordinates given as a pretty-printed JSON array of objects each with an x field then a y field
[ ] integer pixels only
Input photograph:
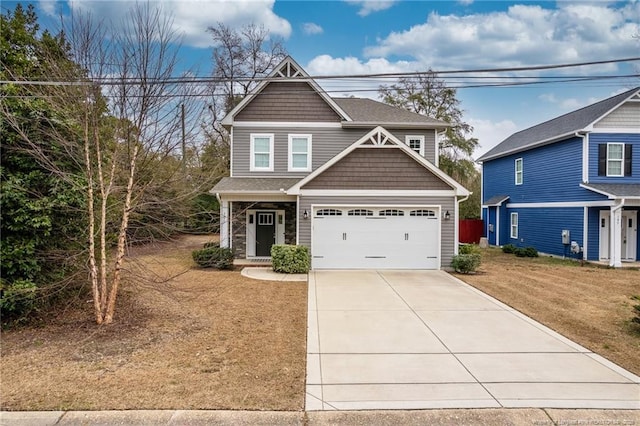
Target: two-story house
[
  {"x": 355, "y": 180},
  {"x": 572, "y": 182}
]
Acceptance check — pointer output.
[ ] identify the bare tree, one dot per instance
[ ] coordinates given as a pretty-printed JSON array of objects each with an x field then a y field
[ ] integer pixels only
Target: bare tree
[
  {"x": 118, "y": 116},
  {"x": 241, "y": 57}
]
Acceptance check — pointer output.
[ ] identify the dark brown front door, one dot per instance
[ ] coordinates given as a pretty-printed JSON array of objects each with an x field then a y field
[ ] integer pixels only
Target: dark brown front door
[{"x": 265, "y": 232}]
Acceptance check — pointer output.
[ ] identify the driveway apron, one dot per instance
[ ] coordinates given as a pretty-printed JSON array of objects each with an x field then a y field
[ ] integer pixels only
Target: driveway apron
[{"x": 424, "y": 339}]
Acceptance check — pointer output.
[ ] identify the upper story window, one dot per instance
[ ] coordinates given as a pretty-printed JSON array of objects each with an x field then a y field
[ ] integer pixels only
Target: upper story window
[
  {"x": 518, "y": 168},
  {"x": 416, "y": 143},
  {"x": 299, "y": 153},
  {"x": 261, "y": 152},
  {"x": 614, "y": 159}
]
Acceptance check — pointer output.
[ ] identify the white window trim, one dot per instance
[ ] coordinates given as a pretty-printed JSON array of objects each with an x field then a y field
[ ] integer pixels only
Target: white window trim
[
  {"x": 252, "y": 153},
  {"x": 407, "y": 138},
  {"x": 621, "y": 160},
  {"x": 518, "y": 173},
  {"x": 513, "y": 225},
  {"x": 307, "y": 168}
]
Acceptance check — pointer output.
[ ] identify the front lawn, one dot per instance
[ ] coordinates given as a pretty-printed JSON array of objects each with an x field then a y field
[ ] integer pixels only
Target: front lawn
[
  {"x": 204, "y": 339},
  {"x": 589, "y": 304}
]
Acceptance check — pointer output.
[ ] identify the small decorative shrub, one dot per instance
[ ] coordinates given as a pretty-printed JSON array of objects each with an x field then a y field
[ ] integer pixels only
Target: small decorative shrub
[
  {"x": 526, "y": 252},
  {"x": 465, "y": 263},
  {"x": 290, "y": 259},
  {"x": 468, "y": 249},
  {"x": 214, "y": 257},
  {"x": 211, "y": 244},
  {"x": 509, "y": 248}
]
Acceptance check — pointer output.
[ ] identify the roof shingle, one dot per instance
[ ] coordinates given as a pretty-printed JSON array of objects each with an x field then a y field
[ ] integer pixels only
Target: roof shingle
[{"x": 565, "y": 124}]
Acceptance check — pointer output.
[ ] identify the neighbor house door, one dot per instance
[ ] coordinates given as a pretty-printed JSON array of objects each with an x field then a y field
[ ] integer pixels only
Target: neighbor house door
[
  {"x": 604, "y": 234},
  {"x": 265, "y": 232},
  {"x": 629, "y": 234}
]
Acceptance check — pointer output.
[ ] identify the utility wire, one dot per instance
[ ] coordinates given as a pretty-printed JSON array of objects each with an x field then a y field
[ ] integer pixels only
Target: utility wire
[{"x": 192, "y": 80}]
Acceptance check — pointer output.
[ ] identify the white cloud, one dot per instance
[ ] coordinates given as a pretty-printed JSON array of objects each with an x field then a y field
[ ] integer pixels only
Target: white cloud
[
  {"x": 491, "y": 133},
  {"x": 48, "y": 7},
  {"x": 310, "y": 28},
  {"x": 191, "y": 18},
  {"x": 369, "y": 6},
  {"x": 567, "y": 104},
  {"x": 522, "y": 35}
]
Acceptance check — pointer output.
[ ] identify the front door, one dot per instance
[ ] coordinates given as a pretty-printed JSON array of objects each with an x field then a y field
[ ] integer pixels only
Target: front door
[
  {"x": 265, "y": 232},
  {"x": 629, "y": 234}
]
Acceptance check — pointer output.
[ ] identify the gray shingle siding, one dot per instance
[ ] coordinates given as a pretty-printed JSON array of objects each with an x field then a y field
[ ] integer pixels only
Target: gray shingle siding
[
  {"x": 377, "y": 168},
  {"x": 296, "y": 101}
]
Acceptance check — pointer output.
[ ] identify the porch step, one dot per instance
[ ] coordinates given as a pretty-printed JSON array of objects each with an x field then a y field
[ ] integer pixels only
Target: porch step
[{"x": 252, "y": 262}]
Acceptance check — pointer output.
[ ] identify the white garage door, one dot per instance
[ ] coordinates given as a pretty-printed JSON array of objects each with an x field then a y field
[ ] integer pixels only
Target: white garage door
[{"x": 375, "y": 238}]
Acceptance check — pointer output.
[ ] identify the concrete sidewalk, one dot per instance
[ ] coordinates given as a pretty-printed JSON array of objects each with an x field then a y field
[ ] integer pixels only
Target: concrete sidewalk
[
  {"x": 321, "y": 418},
  {"x": 424, "y": 340}
]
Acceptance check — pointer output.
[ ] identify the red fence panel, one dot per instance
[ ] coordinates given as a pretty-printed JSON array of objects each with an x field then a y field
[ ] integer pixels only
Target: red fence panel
[{"x": 470, "y": 230}]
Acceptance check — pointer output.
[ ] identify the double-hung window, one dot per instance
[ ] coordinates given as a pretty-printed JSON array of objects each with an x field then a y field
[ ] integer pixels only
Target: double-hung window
[
  {"x": 615, "y": 159},
  {"x": 299, "y": 153},
  {"x": 519, "y": 171},
  {"x": 416, "y": 143},
  {"x": 261, "y": 152},
  {"x": 514, "y": 225}
]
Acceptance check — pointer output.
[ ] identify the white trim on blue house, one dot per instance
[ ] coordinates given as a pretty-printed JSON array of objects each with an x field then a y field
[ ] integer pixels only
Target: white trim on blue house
[
  {"x": 585, "y": 156},
  {"x": 585, "y": 232},
  {"x": 561, "y": 204}
]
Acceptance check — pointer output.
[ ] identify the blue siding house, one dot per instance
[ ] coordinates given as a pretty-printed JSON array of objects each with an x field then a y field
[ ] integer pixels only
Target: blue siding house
[{"x": 569, "y": 186}]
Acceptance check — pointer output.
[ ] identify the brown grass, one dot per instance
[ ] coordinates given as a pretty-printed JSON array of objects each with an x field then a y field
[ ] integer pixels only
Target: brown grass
[
  {"x": 588, "y": 304},
  {"x": 183, "y": 338}
]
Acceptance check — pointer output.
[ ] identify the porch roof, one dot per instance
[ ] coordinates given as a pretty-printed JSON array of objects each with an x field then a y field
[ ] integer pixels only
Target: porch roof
[
  {"x": 615, "y": 190},
  {"x": 235, "y": 185},
  {"x": 496, "y": 200}
]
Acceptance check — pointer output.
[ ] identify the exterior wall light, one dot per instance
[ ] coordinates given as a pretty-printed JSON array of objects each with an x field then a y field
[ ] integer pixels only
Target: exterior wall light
[
  {"x": 305, "y": 215},
  {"x": 447, "y": 215}
]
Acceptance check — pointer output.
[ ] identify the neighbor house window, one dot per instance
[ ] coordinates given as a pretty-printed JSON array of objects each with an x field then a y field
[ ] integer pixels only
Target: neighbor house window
[
  {"x": 262, "y": 152},
  {"x": 514, "y": 225},
  {"x": 615, "y": 159},
  {"x": 416, "y": 143},
  {"x": 299, "y": 153},
  {"x": 518, "y": 167}
]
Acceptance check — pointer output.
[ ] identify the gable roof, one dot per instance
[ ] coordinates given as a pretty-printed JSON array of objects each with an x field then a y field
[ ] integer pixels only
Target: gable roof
[
  {"x": 380, "y": 137},
  {"x": 559, "y": 127},
  {"x": 287, "y": 70},
  {"x": 354, "y": 112},
  {"x": 367, "y": 112}
]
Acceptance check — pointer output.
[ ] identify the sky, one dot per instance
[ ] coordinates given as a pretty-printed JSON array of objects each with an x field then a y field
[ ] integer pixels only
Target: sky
[{"x": 350, "y": 37}]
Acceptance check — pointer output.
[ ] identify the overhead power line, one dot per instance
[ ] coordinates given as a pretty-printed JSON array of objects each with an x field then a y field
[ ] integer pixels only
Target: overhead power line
[{"x": 203, "y": 80}]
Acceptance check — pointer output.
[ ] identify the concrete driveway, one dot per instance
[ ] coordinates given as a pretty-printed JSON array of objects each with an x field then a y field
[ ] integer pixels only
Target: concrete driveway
[{"x": 423, "y": 339}]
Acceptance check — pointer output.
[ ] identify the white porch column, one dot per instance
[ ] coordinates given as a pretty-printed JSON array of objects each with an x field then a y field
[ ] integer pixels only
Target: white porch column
[
  {"x": 224, "y": 223},
  {"x": 615, "y": 248}
]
